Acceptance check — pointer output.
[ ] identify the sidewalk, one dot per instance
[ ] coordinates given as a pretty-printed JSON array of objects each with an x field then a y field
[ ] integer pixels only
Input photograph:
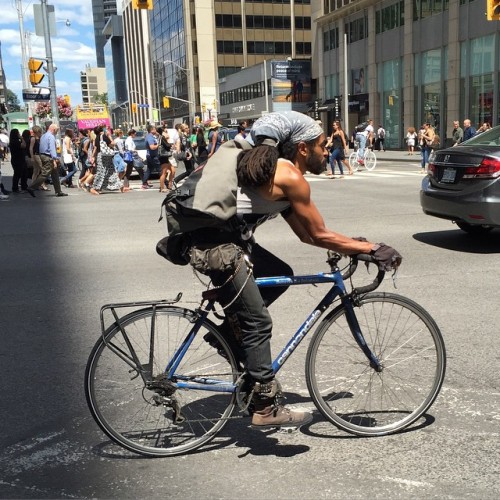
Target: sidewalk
[{"x": 398, "y": 155}]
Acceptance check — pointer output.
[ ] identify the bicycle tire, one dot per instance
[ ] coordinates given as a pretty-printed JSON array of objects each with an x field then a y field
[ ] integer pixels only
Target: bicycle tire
[
  {"x": 124, "y": 406},
  {"x": 370, "y": 160},
  {"x": 352, "y": 395},
  {"x": 353, "y": 161}
]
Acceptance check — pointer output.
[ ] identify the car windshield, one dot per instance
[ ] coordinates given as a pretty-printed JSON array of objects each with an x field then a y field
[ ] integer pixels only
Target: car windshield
[
  {"x": 488, "y": 138},
  {"x": 140, "y": 143}
]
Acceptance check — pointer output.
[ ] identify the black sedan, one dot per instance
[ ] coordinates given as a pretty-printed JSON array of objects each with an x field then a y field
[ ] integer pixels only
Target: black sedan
[{"x": 463, "y": 183}]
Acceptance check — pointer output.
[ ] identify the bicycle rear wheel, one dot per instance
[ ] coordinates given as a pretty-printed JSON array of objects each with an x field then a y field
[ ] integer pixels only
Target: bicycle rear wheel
[
  {"x": 136, "y": 405},
  {"x": 351, "y": 394},
  {"x": 370, "y": 159},
  {"x": 353, "y": 161}
]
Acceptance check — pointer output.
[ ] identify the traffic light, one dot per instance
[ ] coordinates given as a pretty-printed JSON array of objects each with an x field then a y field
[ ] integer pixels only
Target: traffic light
[
  {"x": 142, "y": 4},
  {"x": 166, "y": 102},
  {"x": 203, "y": 107},
  {"x": 34, "y": 66},
  {"x": 214, "y": 104},
  {"x": 493, "y": 10},
  {"x": 67, "y": 99},
  {"x": 134, "y": 107}
]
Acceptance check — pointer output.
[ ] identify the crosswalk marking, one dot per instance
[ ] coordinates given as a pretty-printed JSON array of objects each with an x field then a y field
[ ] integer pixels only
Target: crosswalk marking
[{"x": 365, "y": 174}]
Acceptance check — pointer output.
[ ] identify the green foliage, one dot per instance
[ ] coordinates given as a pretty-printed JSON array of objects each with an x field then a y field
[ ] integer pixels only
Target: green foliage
[
  {"x": 101, "y": 98},
  {"x": 12, "y": 101}
]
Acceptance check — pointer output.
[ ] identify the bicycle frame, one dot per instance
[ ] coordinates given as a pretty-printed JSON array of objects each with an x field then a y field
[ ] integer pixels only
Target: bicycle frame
[{"x": 337, "y": 290}]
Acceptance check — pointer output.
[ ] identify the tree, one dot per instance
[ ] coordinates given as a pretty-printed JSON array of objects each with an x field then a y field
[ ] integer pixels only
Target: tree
[
  {"x": 43, "y": 109},
  {"x": 12, "y": 101},
  {"x": 101, "y": 98}
]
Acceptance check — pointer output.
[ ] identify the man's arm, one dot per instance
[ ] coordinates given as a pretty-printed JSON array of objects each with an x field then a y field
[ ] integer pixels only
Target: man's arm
[{"x": 308, "y": 224}]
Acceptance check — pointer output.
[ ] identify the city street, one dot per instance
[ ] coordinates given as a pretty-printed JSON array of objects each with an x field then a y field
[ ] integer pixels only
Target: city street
[{"x": 63, "y": 258}]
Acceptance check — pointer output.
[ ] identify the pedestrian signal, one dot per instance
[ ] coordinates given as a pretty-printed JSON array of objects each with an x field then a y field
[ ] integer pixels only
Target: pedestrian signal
[
  {"x": 142, "y": 4},
  {"x": 34, "y": 66},
  {"x": 134, "y": 107},
  {"x": 166, "y": 102},
  {"x": 493, "y": 10}
]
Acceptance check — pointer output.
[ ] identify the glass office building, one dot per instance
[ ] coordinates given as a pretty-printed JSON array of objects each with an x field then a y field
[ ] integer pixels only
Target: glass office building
[{"x": 195, "y": 43}]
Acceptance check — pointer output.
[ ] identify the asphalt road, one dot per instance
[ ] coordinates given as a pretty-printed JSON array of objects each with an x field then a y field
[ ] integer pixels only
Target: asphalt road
[{"x": 62, "y": 258}]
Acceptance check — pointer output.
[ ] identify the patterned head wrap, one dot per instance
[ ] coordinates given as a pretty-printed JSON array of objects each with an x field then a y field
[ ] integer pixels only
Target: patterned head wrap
[{"x": 287, "y": 125}]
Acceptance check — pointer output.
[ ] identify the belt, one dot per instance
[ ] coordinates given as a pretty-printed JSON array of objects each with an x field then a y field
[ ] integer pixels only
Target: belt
[{"x": 43, "y": 154}]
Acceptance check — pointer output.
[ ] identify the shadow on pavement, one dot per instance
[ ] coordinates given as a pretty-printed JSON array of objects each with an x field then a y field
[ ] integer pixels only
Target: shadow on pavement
[{"x": 458, "y": 240}]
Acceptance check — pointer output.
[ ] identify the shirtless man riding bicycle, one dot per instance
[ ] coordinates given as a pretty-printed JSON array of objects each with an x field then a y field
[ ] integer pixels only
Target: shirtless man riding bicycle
[{"x": 271, "y": 182}]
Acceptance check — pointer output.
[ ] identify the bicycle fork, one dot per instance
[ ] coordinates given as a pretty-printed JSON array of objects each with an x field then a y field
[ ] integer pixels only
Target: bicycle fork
[{"x": 353, "y": 323}]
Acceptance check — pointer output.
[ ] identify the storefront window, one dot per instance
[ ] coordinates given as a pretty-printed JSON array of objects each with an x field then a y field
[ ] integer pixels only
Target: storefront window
[
  {"x": 430, "y": 74},
  {"x": 477, "y": 82},
  {"x": 390, "y": 90},
  {"x": 331, "y": 86}
]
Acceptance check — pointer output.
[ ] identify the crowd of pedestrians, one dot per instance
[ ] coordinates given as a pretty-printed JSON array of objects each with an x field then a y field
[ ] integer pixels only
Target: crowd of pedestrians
[
  {"x": 428, "y": 140},
  {"x": 104, "y": 157}
]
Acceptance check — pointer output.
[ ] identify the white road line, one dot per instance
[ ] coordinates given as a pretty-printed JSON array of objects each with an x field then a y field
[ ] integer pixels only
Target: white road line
[{"x": 383, "y": 174}]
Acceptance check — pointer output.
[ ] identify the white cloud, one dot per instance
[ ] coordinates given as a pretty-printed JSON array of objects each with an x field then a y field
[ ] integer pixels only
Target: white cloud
[{"x": 72, "y": 49}]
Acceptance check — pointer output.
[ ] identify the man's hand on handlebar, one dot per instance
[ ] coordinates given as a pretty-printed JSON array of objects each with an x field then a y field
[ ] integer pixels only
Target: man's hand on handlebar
[{"x": 387, "y": 257}]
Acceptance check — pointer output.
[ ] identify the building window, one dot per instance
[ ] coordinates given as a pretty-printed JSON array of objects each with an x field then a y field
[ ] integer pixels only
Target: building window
[
  {"x": 303, "y": 23},
  {"x": 389, "y": 80},
  {"x": 357, "y": 30},
  {"x": 246, "y": 93},
  {"x": 227, "y": 21},
  {"x": 269, "y": 47},
  {"x": 303, "y": 48},
  {"x": 229, "y": 46},
  {"x": 477, "y": 70},
  {"x": 274, "y": 22},
  {"x": 390, "y": 17},
  {"x": 427, "y": 8},
  {"x": 330, "y": 39}
]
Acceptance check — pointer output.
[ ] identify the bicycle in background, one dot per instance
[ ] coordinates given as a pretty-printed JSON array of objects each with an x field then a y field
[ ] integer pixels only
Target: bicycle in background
[{"x": 369, "y": 159}]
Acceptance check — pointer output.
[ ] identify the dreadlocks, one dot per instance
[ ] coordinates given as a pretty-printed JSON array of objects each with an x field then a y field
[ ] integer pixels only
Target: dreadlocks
[{"x": 257, "y": 166}]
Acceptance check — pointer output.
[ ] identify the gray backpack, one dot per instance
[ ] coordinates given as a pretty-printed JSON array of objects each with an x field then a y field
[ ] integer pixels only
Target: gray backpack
[{"x": 206, "y": 199}]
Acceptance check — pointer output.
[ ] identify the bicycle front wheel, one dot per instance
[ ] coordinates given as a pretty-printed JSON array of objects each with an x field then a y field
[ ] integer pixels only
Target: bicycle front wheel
[
  {"x": 355, "y": 397},
  {"x": 133, "y": 401},
  {"x": 353, "y": 161},
  {"x": 370, "y": 160}
]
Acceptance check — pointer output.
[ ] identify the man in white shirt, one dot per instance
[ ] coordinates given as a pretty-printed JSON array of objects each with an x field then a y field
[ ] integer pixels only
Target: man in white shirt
[{"x": 362, "y": 138}]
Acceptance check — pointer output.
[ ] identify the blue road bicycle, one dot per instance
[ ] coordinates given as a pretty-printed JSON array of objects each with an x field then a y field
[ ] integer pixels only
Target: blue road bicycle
[{"x": 374, "y": 366}]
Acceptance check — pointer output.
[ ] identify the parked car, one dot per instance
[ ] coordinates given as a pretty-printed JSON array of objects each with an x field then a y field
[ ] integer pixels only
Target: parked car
[{"x": 463, "y": 183}]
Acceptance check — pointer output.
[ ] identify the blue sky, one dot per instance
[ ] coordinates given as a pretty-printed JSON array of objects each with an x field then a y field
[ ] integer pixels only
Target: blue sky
[{"x": 72, "y": 49}]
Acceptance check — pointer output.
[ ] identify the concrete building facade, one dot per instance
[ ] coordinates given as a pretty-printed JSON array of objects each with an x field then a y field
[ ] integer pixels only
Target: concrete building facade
[
  {"x": 93, "y": 82},
  {"x": 406, "y": 62}
]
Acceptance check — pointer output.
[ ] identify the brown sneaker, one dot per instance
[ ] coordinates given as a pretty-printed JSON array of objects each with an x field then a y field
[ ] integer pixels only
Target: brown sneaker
[
  {"x": 273, "y": 416},
  {"x": 269, "y": 413}
]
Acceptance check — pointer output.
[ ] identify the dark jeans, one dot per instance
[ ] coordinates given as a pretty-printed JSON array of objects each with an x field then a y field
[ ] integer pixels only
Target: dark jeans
[
  {"x": 153, "y": 163},
  {"x": 71, "y": 169},
  {"x": 20, "y": 174},
  {"x": 130, "y": 167},
  {"x": 250, "y": 308},
  {"x": 337, "y": 156}
]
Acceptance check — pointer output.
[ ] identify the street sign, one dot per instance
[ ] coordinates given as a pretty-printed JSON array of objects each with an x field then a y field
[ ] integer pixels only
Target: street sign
[{"x": 36, "y": 94}]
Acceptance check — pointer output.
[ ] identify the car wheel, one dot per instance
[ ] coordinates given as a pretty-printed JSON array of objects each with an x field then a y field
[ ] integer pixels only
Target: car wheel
[{"x": 472, "y": 228}]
